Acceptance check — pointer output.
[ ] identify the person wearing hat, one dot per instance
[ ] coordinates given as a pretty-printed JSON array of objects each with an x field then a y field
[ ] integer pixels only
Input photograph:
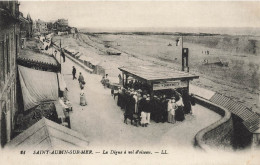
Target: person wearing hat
[
  {"x": 141, "y": 104},
  {"x": 130, "y": 106},
  {"x": 164, "y": 108},
  {"x": 132, "y": 103},
  {"x": 171, "y": 110},
  {"x": 119, "y": 96},
  {"x": 136, "y": 100},
  {"x": 156, "y": 112},
  {"x": 74, "y": 72},
  {"x": 139, "y": 97},
  {"x": 123, "y": 98},
  {"x": 179, "y": 114},
  {"x": 147, "y": 108},
  {"x": 81, "y": 79},
  {"x": 186, "y": 102}
]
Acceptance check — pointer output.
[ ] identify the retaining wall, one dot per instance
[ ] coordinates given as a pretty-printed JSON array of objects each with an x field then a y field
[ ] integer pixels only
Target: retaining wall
[
  {"x": 68, "y": 55},
  {"x": 218, "y": 134}
]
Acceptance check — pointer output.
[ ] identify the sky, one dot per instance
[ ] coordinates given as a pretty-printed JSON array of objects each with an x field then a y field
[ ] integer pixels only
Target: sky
[{"x": 128, "y": 14}]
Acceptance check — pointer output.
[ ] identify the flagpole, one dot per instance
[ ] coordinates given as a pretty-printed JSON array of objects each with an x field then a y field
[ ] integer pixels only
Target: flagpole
[
  {"x": 181, "y": 43},
  {"x": 182, "y": 53},
  {"x": 60, "y": 51}
]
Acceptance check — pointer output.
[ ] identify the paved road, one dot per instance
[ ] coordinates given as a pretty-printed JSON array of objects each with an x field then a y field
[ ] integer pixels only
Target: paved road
[{"x": 102, "y": 121}]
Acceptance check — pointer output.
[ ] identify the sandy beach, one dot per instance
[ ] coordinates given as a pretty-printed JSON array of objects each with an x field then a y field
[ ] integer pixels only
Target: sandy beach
[{"x": 239, "y": 80}]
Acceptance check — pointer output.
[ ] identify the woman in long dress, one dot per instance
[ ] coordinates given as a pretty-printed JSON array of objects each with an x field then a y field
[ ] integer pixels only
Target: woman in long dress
[
  {"x": 171, "y": 110},
  {"x": 179, "y": 113},
  {"x": 83, "y": 100}
]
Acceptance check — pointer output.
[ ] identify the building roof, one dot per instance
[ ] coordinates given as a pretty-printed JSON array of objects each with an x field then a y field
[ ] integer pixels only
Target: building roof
[
  {"x": 238, "y": 109},
  {"x": 250, "y": 118},
  {"x": 252, "y": 124},
  {"x": 156, "y": 73},
  {"x": 46, "y": 134}
]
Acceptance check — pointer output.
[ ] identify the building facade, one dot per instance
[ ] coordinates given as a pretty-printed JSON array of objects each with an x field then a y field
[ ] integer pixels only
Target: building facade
[
  {"x": 9, "y": 50},
  {"x": 41, "y": 26},
  {"x": 61, "y": 25}
]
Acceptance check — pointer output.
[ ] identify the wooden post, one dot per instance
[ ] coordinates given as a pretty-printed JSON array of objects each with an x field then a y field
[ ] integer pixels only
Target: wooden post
[
  {"x": 123, "y": 79},
  {"x": 188, "y": 86},
  {"x": 182, "y": 60},
  {"x": 60, "y": 51},
  {"x": 126, "y": 77},
  {"x": 181, "y": 43},
  {"x": 151, "y": 89}
]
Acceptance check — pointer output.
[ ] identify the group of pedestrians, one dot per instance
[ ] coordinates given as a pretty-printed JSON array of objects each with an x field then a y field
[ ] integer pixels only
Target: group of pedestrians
[
  {"x": 83, "y": 101},
  {"x": 159, "y": 108}
]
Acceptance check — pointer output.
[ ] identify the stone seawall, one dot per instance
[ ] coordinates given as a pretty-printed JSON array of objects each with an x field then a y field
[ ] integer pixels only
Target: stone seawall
[
  {"x": 69, "y": 55},
  {"x": 218, "y": 134}
]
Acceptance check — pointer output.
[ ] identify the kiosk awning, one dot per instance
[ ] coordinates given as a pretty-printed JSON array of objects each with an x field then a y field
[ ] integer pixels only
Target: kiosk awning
[
  {"x": 156, "y": 73},
  {"x": 46, "y": 134},
  {"x": 37, "y": 86}
]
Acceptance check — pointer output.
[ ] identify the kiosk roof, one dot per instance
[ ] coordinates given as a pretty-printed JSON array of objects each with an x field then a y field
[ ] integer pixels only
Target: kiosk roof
[{"x": 156, "y": 73}]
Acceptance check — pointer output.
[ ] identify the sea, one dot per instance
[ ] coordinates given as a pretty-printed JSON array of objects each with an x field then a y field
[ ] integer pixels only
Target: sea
[{"x": 250, "y": 31}]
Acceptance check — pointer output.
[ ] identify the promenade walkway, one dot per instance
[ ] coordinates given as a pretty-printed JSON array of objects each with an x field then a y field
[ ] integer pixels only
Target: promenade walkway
[{"x": 102, "y": 120}]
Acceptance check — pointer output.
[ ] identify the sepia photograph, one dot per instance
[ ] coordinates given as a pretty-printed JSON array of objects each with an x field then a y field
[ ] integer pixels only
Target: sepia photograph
[{"x": 130, "y": 82}]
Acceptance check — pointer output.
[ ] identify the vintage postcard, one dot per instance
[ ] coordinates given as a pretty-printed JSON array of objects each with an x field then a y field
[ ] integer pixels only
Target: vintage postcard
[{"x": 130, "y": 82}]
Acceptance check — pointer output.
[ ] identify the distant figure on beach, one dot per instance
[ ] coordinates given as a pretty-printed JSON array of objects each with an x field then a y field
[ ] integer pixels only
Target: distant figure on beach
[{"x": 74, "y": 72}]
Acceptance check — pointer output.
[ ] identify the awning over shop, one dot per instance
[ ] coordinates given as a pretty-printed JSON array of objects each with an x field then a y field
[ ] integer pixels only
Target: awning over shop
[
  {"x": 62, "y": 83},
  {"x": 38, "y": 57},
  {"x": 37, "y": 86},
  {"x": 156, "y": 73},
  {"x": 46, "y": 134}
]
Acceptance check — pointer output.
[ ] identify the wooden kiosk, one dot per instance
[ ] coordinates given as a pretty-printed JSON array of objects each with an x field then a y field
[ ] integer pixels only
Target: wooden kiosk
[{"x": 157, "y": 77}]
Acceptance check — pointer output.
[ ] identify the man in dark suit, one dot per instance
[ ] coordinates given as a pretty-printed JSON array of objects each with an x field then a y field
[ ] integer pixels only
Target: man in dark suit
[{"x": 74, "y": 72}]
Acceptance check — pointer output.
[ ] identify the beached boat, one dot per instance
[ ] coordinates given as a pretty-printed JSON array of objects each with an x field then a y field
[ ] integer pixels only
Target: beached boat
[{"x": 113, "y": 53}]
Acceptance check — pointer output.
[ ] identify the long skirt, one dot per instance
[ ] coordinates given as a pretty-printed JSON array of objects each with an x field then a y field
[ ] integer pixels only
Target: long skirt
[
  {"x": 83, "y": 100},
  {"x": 187, "y": 108},
  {"x": 179, "y": 114},
  {"x": 171, "y": 118},
  {"x": 143, "y": 118}
]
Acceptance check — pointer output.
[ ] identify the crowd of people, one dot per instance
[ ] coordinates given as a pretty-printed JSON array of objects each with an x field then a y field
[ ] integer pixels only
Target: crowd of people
[{"x": 160, "y": 108}]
